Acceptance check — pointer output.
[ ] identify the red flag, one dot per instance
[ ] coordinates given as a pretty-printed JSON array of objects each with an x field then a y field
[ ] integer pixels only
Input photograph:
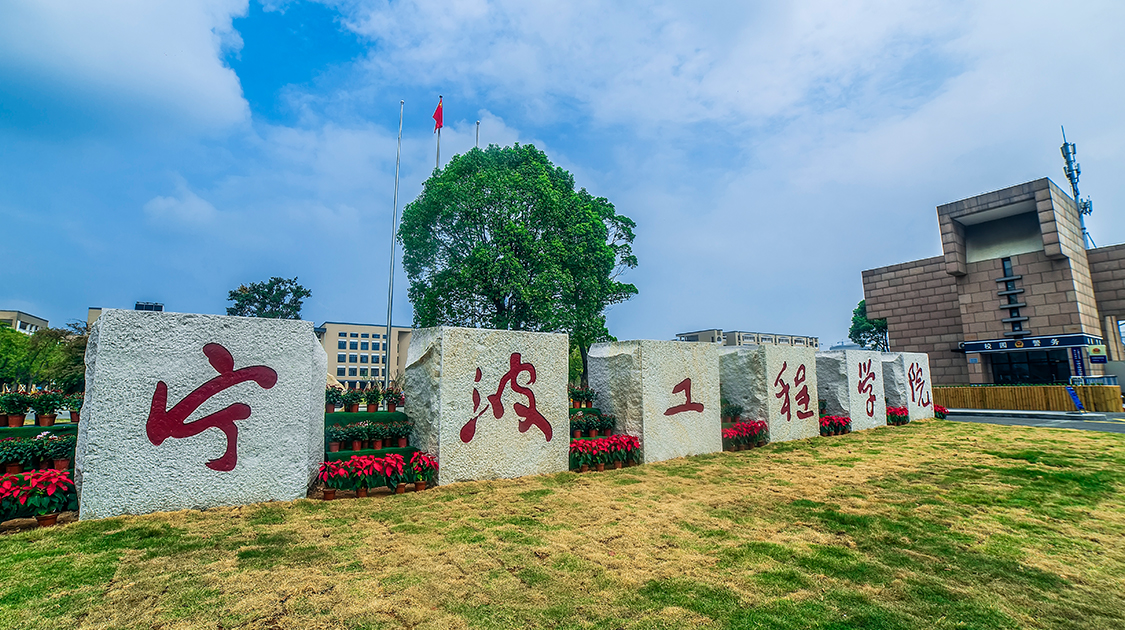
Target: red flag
[{"x": 437, "y": 115}]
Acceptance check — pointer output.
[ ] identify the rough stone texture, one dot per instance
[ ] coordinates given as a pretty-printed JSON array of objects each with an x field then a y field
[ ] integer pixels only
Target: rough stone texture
[
  {"x": 634, "y": 380},
  {"x": 278, "y": 447},
  {"x": 846, "y": 392},
  {"x": 773, "y": 383},
  {"x": 906, "y": 383},
  {"x": 450, "y": 375}
]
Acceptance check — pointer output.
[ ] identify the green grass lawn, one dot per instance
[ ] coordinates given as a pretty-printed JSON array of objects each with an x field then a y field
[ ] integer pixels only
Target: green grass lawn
[{"x": 932, "y": 525}]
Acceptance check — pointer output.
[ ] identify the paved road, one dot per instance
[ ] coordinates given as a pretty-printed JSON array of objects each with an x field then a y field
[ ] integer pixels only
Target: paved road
[{"x": 1108, "y": 422}]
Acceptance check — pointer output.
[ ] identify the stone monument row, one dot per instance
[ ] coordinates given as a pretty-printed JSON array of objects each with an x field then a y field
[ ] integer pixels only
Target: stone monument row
[
  {"x": 906, "y": 378},
  {"x": 664, "y": 392},
  {"x": 851, "y": 384},
  {"x": 187, "y": 411}
]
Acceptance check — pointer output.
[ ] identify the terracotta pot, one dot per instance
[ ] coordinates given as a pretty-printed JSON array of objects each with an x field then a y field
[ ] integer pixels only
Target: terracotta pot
[
  {"x": 353, "y": 408},
  {"x": 593, "y": 433},
  {"x": 47, "y": 520},
  {"x": 607, "y": 432},
  {"x": 729, "y": 448},
  {"x": 574, "y": 404},
  {"x": 419, "y": 486},
  {"x": 601, "y": 467},
  {"x": 372, "y": 408},
  {"x": 361, "y": 493},
  {"x": 3, "y": 418},
  {"x": 329, "y": 408},
  {"x": 402, "y": 442},
  {"x": 577, "y": 434},
  {"x": 357, "y": 445},
  {"x": 329, "y": 494},
  {"x": 587, "y": 404},
  {"x": 46, "y": 419},
  {"x": 75, "y": 416},
  {"x": 15, "y": 420},
  {"x": 761, "y": 442},
  {"x": 617, "y": 464},
  {"x": 333, "y": 447},
  {"x": 391, "y": 407},
  {"x": 377, "y": 445},
  {"x": 13, "y": 469},
  {"x": 585, "y": 468},
  {"x": 61, "y": 464},
  {"x": 400, "y": 488}
]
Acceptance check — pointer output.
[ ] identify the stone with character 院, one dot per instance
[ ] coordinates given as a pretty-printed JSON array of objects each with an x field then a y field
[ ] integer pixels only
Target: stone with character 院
[{"x": 906, "y": 382}]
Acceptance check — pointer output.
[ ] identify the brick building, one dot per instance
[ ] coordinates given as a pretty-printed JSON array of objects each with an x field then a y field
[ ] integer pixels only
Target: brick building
[{"x": 1015, "y": 297}]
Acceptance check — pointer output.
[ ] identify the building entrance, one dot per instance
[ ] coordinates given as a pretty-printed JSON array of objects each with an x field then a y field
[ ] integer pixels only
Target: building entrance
[{"x": 1034, "y": 366}]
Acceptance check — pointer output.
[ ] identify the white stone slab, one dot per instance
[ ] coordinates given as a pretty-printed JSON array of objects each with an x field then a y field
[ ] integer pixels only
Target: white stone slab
[
  {"x": 773, "y": 383},
  {"x": 664, "y": 392},
  {"x": 851, "y": 384},
  {"x": 906, "y": 379},
  {"x": 187, "y": 411},
  {"x": 489, "y": 404}
]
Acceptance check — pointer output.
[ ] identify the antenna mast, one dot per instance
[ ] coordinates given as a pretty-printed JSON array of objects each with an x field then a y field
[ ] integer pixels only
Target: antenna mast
[{"x": 1072, "y": 171}]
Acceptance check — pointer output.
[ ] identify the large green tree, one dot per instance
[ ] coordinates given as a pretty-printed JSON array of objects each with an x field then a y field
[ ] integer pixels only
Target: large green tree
[
  {"x": 14, "y": 369},
  {"x": 869, "y": 333},
  {"x": 277, "y": 298},
  {"x": 500, "y": 238}
]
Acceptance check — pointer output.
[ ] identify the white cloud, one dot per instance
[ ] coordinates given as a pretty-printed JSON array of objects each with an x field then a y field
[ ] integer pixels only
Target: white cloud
[
  {"x": 139, "y": 59},
  {"x": 183, "y": 208}
]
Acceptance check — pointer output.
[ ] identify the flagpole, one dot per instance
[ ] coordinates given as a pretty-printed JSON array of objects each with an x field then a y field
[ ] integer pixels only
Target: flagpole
[
  {"x": 478, "y": 134},
  {"x": 437, "y": 159},
  {"x": 391, "y": 281},
  {"x": 437, "y": 162}
]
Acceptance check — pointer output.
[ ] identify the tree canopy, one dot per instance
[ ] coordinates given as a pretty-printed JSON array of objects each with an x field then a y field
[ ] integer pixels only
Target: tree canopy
[
  {"x": 51, "y": 356},
  {"x": 278, "y": 298},
  {"x": 869, "y": 333},
  {"x": 500, "y": 238}
]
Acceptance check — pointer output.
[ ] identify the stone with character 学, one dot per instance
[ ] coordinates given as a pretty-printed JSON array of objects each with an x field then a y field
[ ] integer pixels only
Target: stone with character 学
[
  {"x": 489, "y": 404},
  {"x": 186, "y": 411},
  {"x": 851, "y": 384},
  {"x": 664, "y": 392}
]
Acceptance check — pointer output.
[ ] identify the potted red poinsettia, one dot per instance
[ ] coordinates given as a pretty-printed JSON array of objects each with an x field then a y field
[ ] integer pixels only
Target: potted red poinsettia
[
  {"x": 367, "y": 471},
  {"x": 940, "y": 412},
  {"x": 897, "y": 416},
  {"x": 424, "y": 467},
  {"x": 44, "y": 493},
  {"x": 397, "y": 474},
  {"x": 335, "y": 476}
]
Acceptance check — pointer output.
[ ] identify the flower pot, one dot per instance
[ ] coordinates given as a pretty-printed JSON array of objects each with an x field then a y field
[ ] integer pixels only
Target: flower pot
[
  {"x": 46, "y": 419},
  {"x": 607, "y": 432},
  {"x": 47, "y": 520},
  {"x": 574, "y": 404},
  {"x": 329, "y": 408},
  {"x": 577, "y": 434},
  {"x": 585, "y": 468},
  {"x": 587, "y": 404},
  {"x": 419, "y": 486},
  {"x": 593, "y": 433},
  {"x": 61, "y": 464},
  {"x": 329, "y": 494},
  {"x": 357, "y": 445},
  {"x": 400, "y": 488},
  {"x": 75, "y": 415},
  {"x": 391, "y": 407},
  {"x": 761, "y": 442},
  {"x": 617, "y": 464},
  {"x": 378, "y": 445},
  {"x": 13, "y": 469},
  {"x": 402, "y": 442},
  {"x": 15, "y": 420},
  {"x": 372, "y": 408},
  {"x": 333, "y": 447},
  {"x": 353, "y": 408},
  {"x": 601, "y": 466},
  {"x": 361, "y": 493}
]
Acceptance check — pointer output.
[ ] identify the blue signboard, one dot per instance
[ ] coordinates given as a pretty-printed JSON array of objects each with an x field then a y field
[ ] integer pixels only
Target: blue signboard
[
  {"x": 1079, "y": 364},
  {"x": 1074, "y": 397},
  {"x": 1099, "y": 358},
  {"x": 1031, "y": 343}
]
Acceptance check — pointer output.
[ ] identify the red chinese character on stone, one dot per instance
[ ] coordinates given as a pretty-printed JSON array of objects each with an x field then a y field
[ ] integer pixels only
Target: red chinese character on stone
[
  {"x": 801, "y": 398},
  {"x": 685, "y": 387},
  {"x": 866, "y": 378},
  {"x": 164, "y": 423},
  {"x": 529, "y": 414},
  {"x": 917, "y": 380},
  {"x": 783, "y": 392}
]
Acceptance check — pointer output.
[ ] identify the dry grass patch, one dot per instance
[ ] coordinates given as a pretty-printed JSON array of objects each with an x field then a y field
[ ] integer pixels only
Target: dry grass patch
[{"x": 935, "y": 524}]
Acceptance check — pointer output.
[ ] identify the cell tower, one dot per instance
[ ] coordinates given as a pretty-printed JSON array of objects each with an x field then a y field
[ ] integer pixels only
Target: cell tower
[{"x": 1073, "y": 170}]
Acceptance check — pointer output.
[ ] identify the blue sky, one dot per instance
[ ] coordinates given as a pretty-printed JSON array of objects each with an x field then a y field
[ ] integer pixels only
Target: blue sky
[{"x": 768, "y": 152}]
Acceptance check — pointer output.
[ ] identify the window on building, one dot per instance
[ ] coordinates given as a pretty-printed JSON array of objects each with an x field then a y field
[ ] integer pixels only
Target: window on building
[
  {"x": 351, "y": 371},
  {"x": 342, "y": 345},
  {"x": 363, "y": 371},
  {"x": 1007, "y": 263},
  {"x": 363, "y": 358},
  {"x": 355, "y": 335},
  {"x": 363, "y": 336},
  {"x": 343, "y": 334},
  {"x": 352, "y": 358},
  {"x": 354, "y": 345},
  {"x": 363, "y": 345},
  {"x": 1036, "y": 366},
  {"x": 340, "y": 357},
  {"x": 340, "y": 371}
]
